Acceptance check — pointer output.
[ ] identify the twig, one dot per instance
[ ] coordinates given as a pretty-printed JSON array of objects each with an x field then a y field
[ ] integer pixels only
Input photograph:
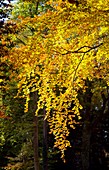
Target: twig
[
  {"x": 78, "y": 67},
  {"x": 37, "y": 4},
  {"x": 84, "y": 52},
  {"x": 21, "y": 41}
]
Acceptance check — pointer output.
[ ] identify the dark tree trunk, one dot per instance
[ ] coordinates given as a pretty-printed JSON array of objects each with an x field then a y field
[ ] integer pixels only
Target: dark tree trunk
[
  {"x": 86, "y": 131},
  {"x": 45, "y": 144},
  {"x": 35, "y": 137},
  {"x": 35, "y": 144},
  {"x": 86, "y": 145}
]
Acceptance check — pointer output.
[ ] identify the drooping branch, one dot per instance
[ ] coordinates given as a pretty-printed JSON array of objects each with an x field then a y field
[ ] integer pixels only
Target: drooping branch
[
  {"x": 78, "y": 67},
  {"x": 83, "y": 52}
]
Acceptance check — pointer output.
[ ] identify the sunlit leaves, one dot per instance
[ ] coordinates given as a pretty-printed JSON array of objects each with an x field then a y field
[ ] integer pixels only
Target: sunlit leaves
[{"x": 68, "y": 46}]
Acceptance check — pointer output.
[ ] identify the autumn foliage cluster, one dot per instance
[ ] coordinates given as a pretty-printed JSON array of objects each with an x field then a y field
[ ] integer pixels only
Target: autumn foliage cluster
[{"x": 65, "y": 47}]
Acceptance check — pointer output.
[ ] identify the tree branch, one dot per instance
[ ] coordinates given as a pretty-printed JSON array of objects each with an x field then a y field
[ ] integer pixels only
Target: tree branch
[
  {"x": 78, "y": 51},
  {"x": 21, "y": 41},
  {"x": 84, "y": 52},
  {"x": 78, "y": 67},
  {"x": 37, "y": 4}
]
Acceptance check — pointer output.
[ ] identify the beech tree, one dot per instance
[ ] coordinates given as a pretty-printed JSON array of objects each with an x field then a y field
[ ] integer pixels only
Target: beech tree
[{"x": 67, "y": 54}]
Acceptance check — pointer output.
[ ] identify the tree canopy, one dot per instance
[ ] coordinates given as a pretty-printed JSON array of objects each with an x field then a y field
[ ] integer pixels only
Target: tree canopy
[{"x": 67, "y": 47}]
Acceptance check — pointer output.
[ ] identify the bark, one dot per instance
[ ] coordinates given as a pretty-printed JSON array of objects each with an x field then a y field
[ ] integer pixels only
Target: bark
[
  {"x": 86, "y": 132},
  {"x": 86, "y": 145},
  {"x": 45, "y": 144},
  {"x": 35, "y": 137}
]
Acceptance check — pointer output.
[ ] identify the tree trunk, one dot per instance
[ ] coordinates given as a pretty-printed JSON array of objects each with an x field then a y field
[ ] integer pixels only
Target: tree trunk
[
  {"x": 45, "y": 144},
  {"x": 35, "y": 137},
  {"x": 86, "y": 132},
  {"x": 86, "y": 145}
]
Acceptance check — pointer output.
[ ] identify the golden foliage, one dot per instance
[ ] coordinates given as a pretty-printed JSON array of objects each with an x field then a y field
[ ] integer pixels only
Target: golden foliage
[{"x": 70, "y": 44}]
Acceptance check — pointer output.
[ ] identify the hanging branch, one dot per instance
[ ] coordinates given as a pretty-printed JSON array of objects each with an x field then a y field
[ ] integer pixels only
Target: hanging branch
[
  {"x": 78, "y": 67},
  {"x": 84, "y": 52}
]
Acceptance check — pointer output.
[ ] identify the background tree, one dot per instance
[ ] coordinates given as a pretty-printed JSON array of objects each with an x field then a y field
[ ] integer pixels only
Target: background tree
[{"x": 21, "y": 157}]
